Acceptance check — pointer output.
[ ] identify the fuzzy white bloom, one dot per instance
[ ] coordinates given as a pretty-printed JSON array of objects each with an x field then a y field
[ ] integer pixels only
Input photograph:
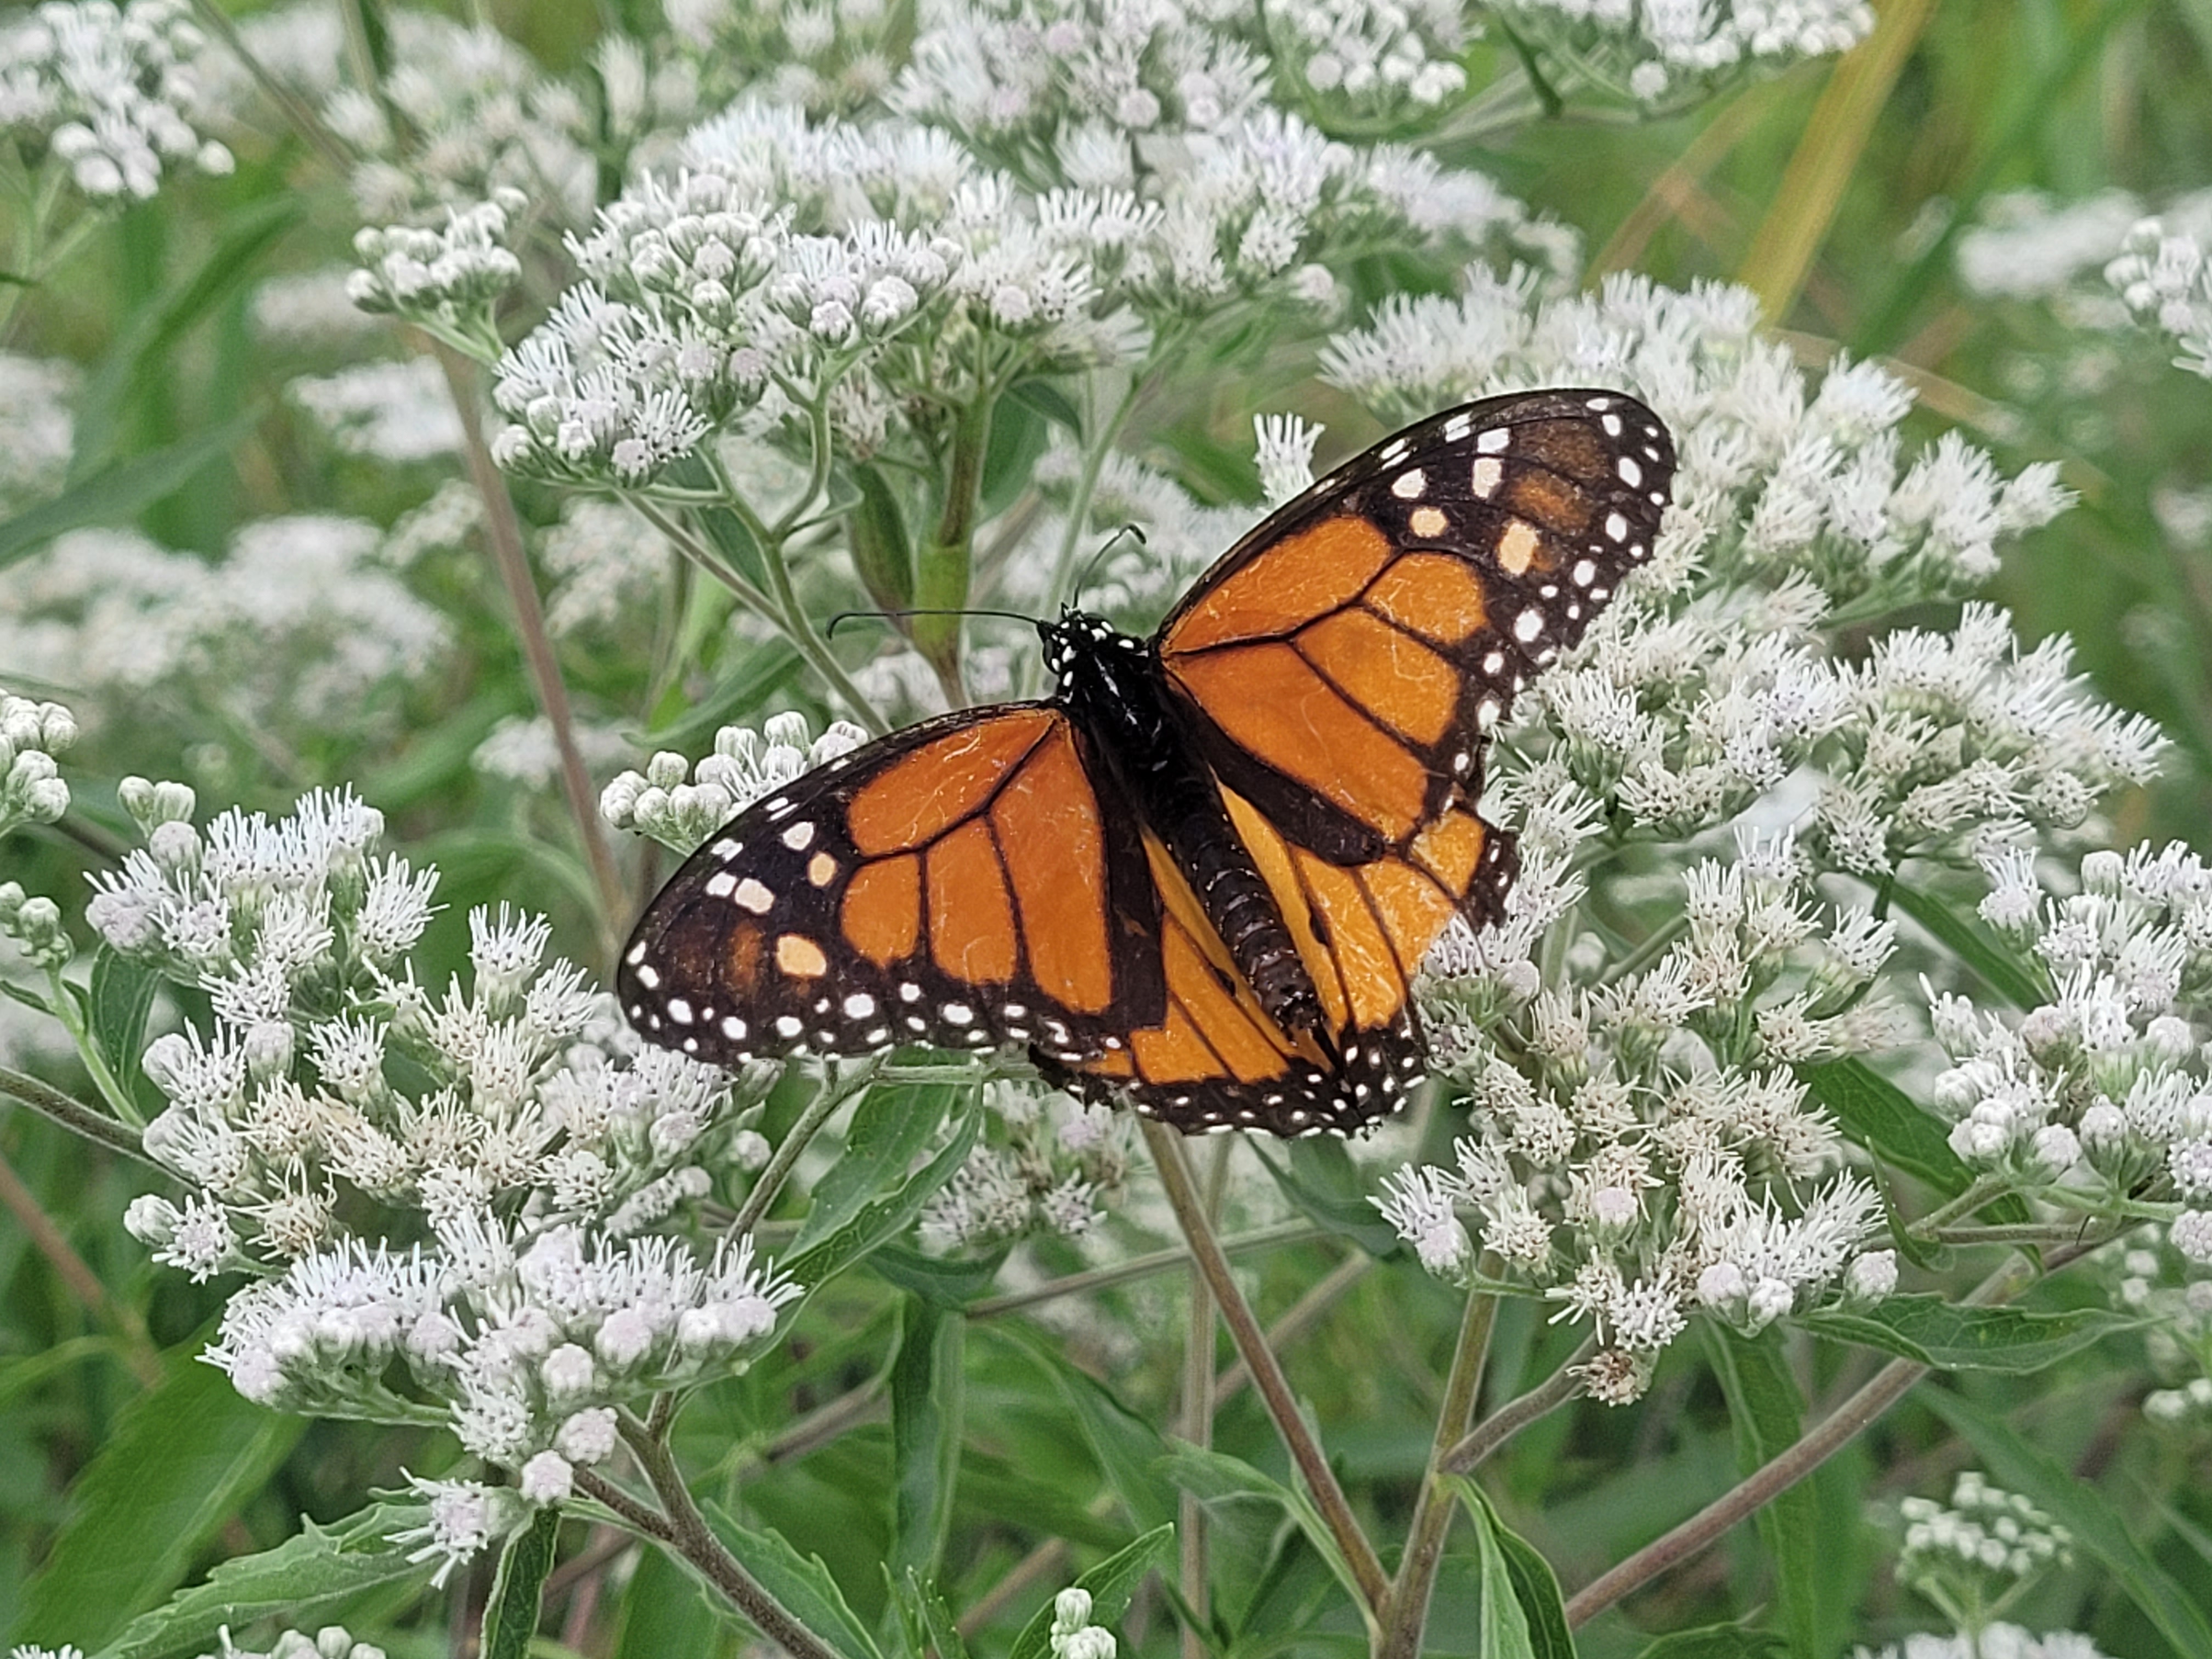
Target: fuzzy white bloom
[
  {"x": 391, "y": 411},
  {"x": 450, "y": 277},
  {"x": 679, "y": 806},
  {"x": 465, "y": 1518},
  {"x": 2165, "y": 281},
  {"x": 1073, "y": 1635},
  {"x": 1060, "y": 1158},
  {"x": 37, "y": 428},
  {"x": 32, "y": 790},
  {"x": 109, "y": 89},
  {"x": 1978, "y": 1547},
  {"x": 1285, "y": 444},
  {"x": 1998, "y": 1640},
  {"x": 1652, "y": 47}
]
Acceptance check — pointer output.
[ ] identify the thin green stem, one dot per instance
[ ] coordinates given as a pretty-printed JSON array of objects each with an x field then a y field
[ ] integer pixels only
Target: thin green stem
[
  {"x": 503, "y": 531},
  {"x": 1335, "y": 1510},
  {"x": 1198, "y": 1423},
  {"x": 63, "y": 1004},
  {"x": 1138, "y": 1266},
  {"x": 1983, "y": 1189},
  {"x": 299, "y": 115},
  {"x": 1517, "y": 1413},
  {"x": 73, "y": 1115},
  {"x": 833, "y": 1093},
  {"x": 1408, "y": 1615}
]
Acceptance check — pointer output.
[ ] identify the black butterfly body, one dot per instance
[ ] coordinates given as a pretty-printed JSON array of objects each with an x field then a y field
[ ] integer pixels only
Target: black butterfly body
[{"x": 1201, "y": 875}]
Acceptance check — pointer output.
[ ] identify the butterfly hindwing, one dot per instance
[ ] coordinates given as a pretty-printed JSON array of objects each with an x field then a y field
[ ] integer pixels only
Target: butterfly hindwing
[{"x": 957, "y": 884}]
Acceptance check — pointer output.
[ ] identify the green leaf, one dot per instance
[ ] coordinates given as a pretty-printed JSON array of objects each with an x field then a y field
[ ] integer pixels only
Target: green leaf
[
  {"x": 760, "y": 670},
  {"x": 1974, "y": 944},
  {"x": 926, "y": 1396},
  {"x": 122, "y": 491},
  {"x": 1215, "y": 1477},
  {"x": 172, "y": 1470},
  {"x": 122, "y": 996},
  {"x": 949, "y": 1282},
  {"x": 1717, "y": 1642},
  {"x": 1518, "y": 1582},
  {"x": 1018, "y": 436},
  {"x": 802, "y": 1587},
  {"x": 518, "y": 1589},
  {"x": 1049, "y": 401},
  {"x": 1321, "y": 1179},
  {"x": 1766, "y": 1413},
  {"x": 1111, "y": 1584},
  {"x": 1885, "y": 1120},
  {"x": 1129, "y": 1448},
  {"x": 2017, "y": 1464},
  {"x": 882, "y": 552},
  {"x": 319, "y": 1568},
  {"x": 885, "y": 1217},
  {"x": 890, "y": 1127},
  {"x": 1926, "y": 1328},
  {"x": 666, "y": 1611}
]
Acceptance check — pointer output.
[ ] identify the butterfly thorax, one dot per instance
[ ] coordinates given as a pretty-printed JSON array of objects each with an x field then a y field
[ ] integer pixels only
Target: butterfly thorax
[{"x": 1116, "y": 694}]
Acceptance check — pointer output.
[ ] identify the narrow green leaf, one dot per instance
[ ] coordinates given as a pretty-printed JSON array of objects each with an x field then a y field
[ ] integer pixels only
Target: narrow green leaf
[
  {"x": 802, "y": 1586},
  {"x": 1319, "y": 1178},
  {"x": 1019, "y": 434},
  {"x": 876, "y": 533},
  {"x": 665, "y": 1611},
  {"x": 122, "y": 491},
  {"x": 1766, "y": 1415},
  {"x": 946, "y": 1282},
  {"x": 890, "y": 1126},
  {"x": 1717, "y": 1642},
  {"x": 2013, "y": 1461},
  {"x": 175, "y": 1466},
  {"x": 1111, "y": 1584},
  {"x": 935, "y": 1630},
  {"x": 1515, "y": 1576},
  {"x": 885, "y": 1217},
  {"x": 1974, "y": 944},
  {"x": 759, "y": 670},
  {"x": 1215, "y": 1477},
  {"x": 319, "y": 1568},
  {"x": 1049, "y": 401},
  {"x": 1935, "y": 1331},
  {"x": 122, "y": 997},
  {"x": 518, "y": 1589},
  {"x": 926, "y": 1399},
  {"x": 1129, "y": 1447},
  {"x": 1885, "y": 1120}
]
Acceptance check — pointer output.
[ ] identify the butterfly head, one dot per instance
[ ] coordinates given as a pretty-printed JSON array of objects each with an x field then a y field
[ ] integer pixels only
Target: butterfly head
[{"x": 1080, "y": 640}]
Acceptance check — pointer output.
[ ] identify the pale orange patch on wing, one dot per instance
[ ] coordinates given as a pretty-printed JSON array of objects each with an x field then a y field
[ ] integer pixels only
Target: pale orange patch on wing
[
  {"x": 1049, "y": 829},
  {"x": 1386, "y": 672},
  {"x": 1299, "y": 577},
  {"x": 1414, "y": 909},
  {"x": 927, "y": 792},
  {"x": 1371, "y": 975},
  {"x": 741, "y": 959},
  {"x": 1449, "y": 848},
  {"x": 882, "y": 912},
  {"x": 1268, "y": 699},
  {"x": 1552, "y": 502},
  {"x": 1272, "y": 856},
  {"x": 1438, "y": 596},
  {"x": 971, "y": 925}
]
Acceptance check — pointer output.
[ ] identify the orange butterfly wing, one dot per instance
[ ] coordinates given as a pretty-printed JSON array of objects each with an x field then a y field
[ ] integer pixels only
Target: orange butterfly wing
[{"x": 956, "y": 883}]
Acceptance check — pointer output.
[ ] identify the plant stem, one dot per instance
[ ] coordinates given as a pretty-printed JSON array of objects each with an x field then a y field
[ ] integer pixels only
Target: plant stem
[
  {"x": 689, "y": 1534},
  {"x": 73, "y": 1115},
  {"x": 1407, "y": 1616},
  {"x": 1366, "y": 1568},
  {"x": 835, "y": 1092},
  {"x": 1517, "y": 1414},
  {"x": 138, "y": 1350},
  {"x": 503, "y": 530},
  {"x": 1835, "y": 1432},
  {"x": 1139, "y": 1266},
  {"x": 1295, "y": 1318},
  {"x": 1197, "y": 1424},
  {"x": 1983, "y": 1189}
]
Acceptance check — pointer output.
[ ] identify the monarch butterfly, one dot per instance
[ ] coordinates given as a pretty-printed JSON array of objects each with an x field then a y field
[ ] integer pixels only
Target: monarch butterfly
[{"x": 1202, "y": 874}]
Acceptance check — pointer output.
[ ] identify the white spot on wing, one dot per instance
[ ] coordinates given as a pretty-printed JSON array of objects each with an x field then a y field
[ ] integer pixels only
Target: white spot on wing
[
  {"x": 754, "y": 895},
  {"x": 1409, "y": 485}
]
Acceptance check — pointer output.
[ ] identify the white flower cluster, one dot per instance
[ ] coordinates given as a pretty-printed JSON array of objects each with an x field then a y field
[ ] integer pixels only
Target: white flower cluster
[
  {"x": 294, "y": 629},
  {"x": 1376, "y": 57},
  {"x": 2160, "y": 1288},
  {"x": 450, "y": 279},
  {"x": 822, "y": 58},
  {"x": 2165, "y": 279},
  {"x": 109, "y": 90},
  {"x": 1997, "y": 1641},
  {"x": 1060, "y": 1160},
  {"x": 1073, "y": 1636},
  {"x": 522, "y": 749},
  {"x": 497, "y": 1125},
  {"x": 680, "y": 806},
  {"x": 312, "y": 311},
  {"x": 31, "y": 734},
  {"x": 1648, "y": 1155},
  {"x": 464, "y": 1517},
  {"x": 604, "y": 566},
  {"x": 331, "y": 1641},
  {"x": 1969, "y": 1553},
  {"x": 397, "y": 413},
  {"x": 2105, "y": 1087},
  {"x": 1653, "y": 45},
  {"x": 38, "y": 433}
]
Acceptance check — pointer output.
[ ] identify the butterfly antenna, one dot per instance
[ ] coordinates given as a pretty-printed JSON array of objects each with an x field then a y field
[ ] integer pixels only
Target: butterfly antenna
[
  {"x": 1133, "y": 531},
  {"x": 829, "y": 628}
]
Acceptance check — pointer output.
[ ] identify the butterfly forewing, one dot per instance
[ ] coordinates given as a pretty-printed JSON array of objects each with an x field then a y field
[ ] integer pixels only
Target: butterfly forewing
[{"x": 956, "y": 885}]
